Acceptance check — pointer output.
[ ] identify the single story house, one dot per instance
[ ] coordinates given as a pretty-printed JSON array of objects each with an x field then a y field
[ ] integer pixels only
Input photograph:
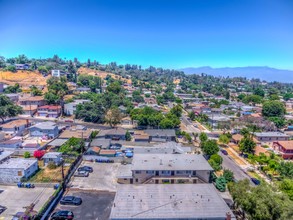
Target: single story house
[
  {"x": 113, "y": 134},
  {"x": 16, "y": 127},
  {"x": 12, "y": 143},
  {"x": 15, "y": 169},
  {"x": 52, "y": 157},
  {"x": 161, "y": 135},
  {"x": 44, "y": 129},
  {"x": 22, "y": 66},
  {"x": 271, "y": 136}
]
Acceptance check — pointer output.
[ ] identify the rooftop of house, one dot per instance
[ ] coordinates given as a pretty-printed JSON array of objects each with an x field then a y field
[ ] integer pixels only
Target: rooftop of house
[
  {"x": 53, "y": 155},
  {"x": 32, "y": 98},
  {"x": 50, "y": 107},
  {"x": 15, "y": 123},
  {"x": 45, "y": 125},
  {"x": 270, "y": 134},
  {"x": 30, "y": 107},
  {"x": 114, "y": 131},
  {"x": 4, "y": 154},
  {"x": 170, "y": 162},
  {"x": 288, "y": 145},
  {"x": 17, "y": 163},
  {"x": 169, "y": 201},
  {"x": 160, "y": 132},
  {"x": 11, "y": 141},
  {"x": 57, "y": 142},
  {"x": 102, "y": 143},
  {"x": 237, "y": 137},
  {"x": 163, "y": 148},
  {"x": 84, "y": 134}
]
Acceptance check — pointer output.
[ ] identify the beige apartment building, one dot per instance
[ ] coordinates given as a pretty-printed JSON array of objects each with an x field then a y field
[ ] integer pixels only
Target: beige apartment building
[{"x": 165, "y": 168}]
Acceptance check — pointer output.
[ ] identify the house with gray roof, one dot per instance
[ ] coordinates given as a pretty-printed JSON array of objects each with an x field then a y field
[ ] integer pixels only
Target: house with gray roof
[
  {"x": 271, "y": 136},
  {"x": 169, "y": 201},
  {"x": 113, "y": 134},
  {"x": 44, "y": 129},
  {"x": 161, "y": 135},
  {"x": 168, "y": 168},
  {"x": 52, "y": 157}
]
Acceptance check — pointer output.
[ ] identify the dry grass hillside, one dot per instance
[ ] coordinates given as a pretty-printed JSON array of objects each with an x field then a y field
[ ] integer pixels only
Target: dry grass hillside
[
  {"x": 99, "y": 73},
  {"x": 23, "y": 78}
]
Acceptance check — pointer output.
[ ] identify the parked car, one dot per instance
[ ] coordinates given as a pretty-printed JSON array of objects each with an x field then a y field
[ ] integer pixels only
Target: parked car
[
  {"x": 224, "y": 152},
  {"x": 86, "y": 168},
  {"x": 255, "y": 181},
  {"x": 82, "y": 174},
  {"x": 62, "y": 215},
  {"x": 70, "y": 200}
]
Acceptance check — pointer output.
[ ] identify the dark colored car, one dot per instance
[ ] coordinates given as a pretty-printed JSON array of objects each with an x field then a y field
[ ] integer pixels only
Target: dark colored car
[
  {"x": 82, "y": 174},
  {"x": 224, "y": 152},
  {"x": 255, "y": 181},
  {"x": 70, "y": 200},
  {"x": 62, "y": 215},
  {"x": 86, "y": 168}
]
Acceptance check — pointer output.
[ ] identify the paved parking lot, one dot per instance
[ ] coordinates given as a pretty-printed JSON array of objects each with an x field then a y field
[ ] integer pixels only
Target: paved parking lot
[
  {"x": 95, "y": 205},
  {"x": 14, "y": 199},
  {"x": 103, "y": 178}
]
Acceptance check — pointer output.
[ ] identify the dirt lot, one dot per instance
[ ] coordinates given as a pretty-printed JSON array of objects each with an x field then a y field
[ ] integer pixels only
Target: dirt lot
[
  {"x": 95, "y": 205},
  {"x": 14, "y": 199},
  {"x": 46, "y": 175},
  {"x": 103, "y": 177}
]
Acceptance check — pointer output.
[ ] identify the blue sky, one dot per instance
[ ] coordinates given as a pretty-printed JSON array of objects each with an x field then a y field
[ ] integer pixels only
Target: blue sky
[{"x": 167, "y": 33}]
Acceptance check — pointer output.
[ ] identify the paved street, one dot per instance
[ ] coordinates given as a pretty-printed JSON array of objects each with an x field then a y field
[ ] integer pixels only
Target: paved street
[
  {"x": 228, "y": 163},
  {"x": 189, "y": 125}
]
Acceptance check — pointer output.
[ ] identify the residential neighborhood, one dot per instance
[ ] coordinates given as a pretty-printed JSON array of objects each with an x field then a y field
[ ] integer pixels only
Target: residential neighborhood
[{"x": 146, "y": 110}]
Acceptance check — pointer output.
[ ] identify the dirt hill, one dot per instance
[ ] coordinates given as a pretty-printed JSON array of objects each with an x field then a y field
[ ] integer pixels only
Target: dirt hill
[
  {"x": 23, "y": 78},
  {"x": 99, "y": 73}
]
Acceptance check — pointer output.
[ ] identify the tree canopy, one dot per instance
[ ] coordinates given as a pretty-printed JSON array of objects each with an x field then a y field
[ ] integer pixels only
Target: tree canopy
[{"x": 8, "y": 108}]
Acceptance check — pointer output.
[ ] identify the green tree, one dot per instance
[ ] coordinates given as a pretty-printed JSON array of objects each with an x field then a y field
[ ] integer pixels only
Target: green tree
[
  {"x": 210, "y": 147},
  {"x": 221, "y": 184},
  {"x": 259, "y": 91},
  {"x": 90, "y": 112},
  {"x": 43, "y": 69},
  {"x": 228, "y": 175},
  {"x": 115, "y": 87},
  {"x": 247, "y": 145},
  {"x": 176, "y": 110},
  {"x": 26, "y": 154},
  {"x": 128, "y": 136},
  {"x": 224, "y": 139},
  {"x": 203, "y": 137},
  {"x": 35, "y": 91},
  {"x": 287, "y": 96},
  {"x": 273, "y": 109},
  {"x": 113, "y": 117},
  {"x": 192, "y": 115},
  {"x": 13, "y": 89},
  {"x": 8, "y": 108},
  {"x": 51, "y": 98},
  {"x": 11, "y": 68}
]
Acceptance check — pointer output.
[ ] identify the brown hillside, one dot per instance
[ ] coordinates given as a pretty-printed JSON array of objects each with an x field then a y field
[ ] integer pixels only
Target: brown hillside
[
  {"x": 23, "y": 78},
  {"x": 99, "y": 73}
]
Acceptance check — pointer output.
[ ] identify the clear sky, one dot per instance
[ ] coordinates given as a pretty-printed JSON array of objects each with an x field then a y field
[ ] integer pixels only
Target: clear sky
[{"x": 167, "y": 33}]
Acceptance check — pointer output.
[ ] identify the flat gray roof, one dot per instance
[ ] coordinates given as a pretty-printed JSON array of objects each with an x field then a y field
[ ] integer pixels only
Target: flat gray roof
[
  {"x": 162, "y": 148},
  {"x": 170, "y": 162},
  {"x": 124, "y": 171},
  {"x": 17, "y": 163},
  {"x": 4, "y": 154},
  {"x": 45, "y": 125},
  {"x": 270, "y": 134},
  {"x": 52, "y": 155},
  {"x": 168, "y": 201},
  {"x": 57, "y": 142},
  {"x": 160, "y": 132}
]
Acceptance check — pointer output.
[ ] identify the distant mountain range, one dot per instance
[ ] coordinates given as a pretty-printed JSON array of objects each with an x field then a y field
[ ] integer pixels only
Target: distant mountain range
[{"x": 261, "y": 72}]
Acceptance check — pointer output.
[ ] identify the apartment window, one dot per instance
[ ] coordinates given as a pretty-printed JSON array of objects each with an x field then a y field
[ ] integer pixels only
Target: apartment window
[
  {"x": 179, "y": 172},
  {"x": 150, "y": 172},
  {"x": 165, "y": 172},
  {"x": 138, "y": 172},
  {"x": 188, "y": 172}
]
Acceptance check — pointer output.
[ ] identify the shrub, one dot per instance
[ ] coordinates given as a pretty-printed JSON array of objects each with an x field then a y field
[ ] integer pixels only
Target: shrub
[
  {"x": 27, "y": 154},
  {"x": 52, "y": 166}
]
